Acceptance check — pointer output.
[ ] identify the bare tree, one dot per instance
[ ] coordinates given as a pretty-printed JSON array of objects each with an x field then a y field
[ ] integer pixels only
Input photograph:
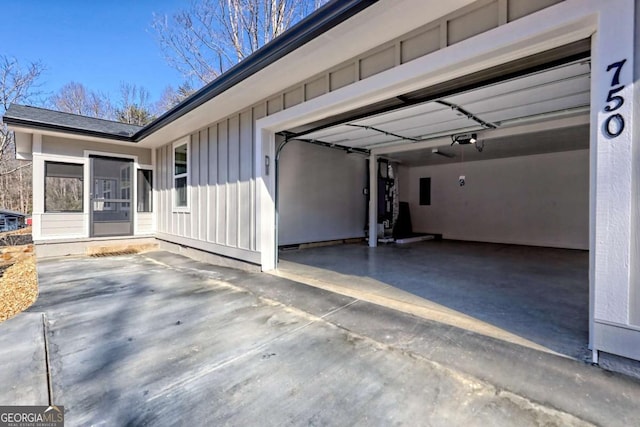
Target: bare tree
[
  {"x": 134, "y": 105},
  {"x": 172, "y": 97},
  {"x": 18, "y": 84},
  {"x": 212, "y": 35},
  {"x": 77, "y": 99}
]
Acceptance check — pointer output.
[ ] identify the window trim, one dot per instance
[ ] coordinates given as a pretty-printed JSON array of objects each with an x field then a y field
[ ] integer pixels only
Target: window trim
[
  {"x": 138, "y": 170},
  {"x": 184, "y": 141},
  {"x": 82, "y": 181}
]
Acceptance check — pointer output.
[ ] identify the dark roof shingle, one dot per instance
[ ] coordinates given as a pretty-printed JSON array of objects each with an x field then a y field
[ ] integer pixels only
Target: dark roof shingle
[{"x": 32, "y": 116}]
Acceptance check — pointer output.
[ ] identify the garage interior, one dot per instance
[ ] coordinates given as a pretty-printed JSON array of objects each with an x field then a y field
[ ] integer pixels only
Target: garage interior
[{"x": 494, "y": 170}]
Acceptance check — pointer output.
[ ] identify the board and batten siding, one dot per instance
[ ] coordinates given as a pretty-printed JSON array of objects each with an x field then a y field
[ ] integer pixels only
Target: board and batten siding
[
  {"x": 464, "y": 23},
  {"x": 222, "y": 213},
  {"x": 221, "y": 216}
]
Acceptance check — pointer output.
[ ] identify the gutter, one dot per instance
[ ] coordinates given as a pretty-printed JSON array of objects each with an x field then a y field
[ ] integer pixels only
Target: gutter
[{"x": 314, "y": 25}]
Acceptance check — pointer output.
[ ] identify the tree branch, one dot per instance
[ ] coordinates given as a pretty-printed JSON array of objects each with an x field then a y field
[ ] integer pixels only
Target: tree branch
[{"x": 9, "y": 172}]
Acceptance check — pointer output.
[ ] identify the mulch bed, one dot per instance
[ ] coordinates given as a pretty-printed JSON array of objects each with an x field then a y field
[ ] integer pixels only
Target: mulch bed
[{"x": 18, "y": 276}]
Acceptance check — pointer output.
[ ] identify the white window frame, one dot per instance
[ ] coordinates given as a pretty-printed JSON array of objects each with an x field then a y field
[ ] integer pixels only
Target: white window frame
[
  {"x": 151, "y": 169},
  {"x": 174, "y": 196}
]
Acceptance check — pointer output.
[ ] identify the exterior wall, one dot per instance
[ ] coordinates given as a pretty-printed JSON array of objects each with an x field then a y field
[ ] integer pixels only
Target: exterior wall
[
  {"x": 144, "y": 223},
  {"x": 222, "y": 217},
  {"x": 55, "y": 226},
  {"x": 320, "y": 194},
  {"x": 73, "y": 148},
  {"x": 478, "y": 17},
  {"x": 540, "y": 200}
]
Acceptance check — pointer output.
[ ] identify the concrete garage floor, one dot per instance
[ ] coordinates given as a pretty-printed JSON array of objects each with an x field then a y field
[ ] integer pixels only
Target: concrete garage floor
[
  {"x": 160, "y": 339},
  {"x": 531, "y": 296}
]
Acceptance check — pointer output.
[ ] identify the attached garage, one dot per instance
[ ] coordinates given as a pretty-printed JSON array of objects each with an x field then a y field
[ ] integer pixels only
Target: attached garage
[
  {"x": 526, "y": 183},
  {"x": 529, "y": 104}
]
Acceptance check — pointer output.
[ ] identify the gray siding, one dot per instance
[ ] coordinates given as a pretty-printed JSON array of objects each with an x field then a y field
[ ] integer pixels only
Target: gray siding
[
  {"x": 73, "y": 147},
  {"x": 474, "y": 19},
  {"x": 222, "y": 194}
]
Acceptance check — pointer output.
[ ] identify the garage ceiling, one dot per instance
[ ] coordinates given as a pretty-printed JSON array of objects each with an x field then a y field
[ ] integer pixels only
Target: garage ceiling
[{"x": 561, "y": 91}]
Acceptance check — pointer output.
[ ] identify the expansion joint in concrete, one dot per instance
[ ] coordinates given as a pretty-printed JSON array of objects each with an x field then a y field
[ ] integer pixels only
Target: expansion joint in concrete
[{"x": 47, "y": 360}]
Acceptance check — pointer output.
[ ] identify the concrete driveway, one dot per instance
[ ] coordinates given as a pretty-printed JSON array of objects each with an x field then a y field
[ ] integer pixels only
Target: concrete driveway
[{"x": 159, "y": 339}]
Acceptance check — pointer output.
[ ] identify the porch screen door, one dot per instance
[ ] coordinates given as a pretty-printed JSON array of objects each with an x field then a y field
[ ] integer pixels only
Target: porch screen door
[{"x": 111, "y": 211}]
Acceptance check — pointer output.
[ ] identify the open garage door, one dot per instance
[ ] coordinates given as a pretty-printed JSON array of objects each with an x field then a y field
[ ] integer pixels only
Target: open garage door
[{"x": 506, "y": 159}]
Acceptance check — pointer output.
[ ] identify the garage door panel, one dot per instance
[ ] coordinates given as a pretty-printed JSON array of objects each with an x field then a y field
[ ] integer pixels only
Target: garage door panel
[
  {"x": 552, "y": 92},
  {"x": 534, "y": 109},
  {"x": 415, "y": 111},
  {"x": 443, "y": 116},
  {"x": 369, "y": 140},
  {"x": 339, "y": 132},
  {"x": 449, "y": 128},
  {"x": 571, "y": 72}
]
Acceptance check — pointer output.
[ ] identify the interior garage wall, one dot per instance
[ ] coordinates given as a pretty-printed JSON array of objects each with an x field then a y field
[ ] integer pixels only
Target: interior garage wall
[
  {"x": 539, "y": 200},
  {"x": 320, "y": 194}
]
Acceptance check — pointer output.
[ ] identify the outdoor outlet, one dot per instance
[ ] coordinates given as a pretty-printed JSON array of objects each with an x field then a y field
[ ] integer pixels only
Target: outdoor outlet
[{"x": 461, "y": 180}]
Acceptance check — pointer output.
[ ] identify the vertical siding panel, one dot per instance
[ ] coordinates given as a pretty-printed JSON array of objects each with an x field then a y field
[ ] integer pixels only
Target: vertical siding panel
[
  {"x": 167, "y": 191},
  {"x": 258, "y": 113},
  {"x": 169, "y": 188},
  {"x": 158, "y": 207},
  {"x": 158, "y": 182},
  {"x": 169, "y": 173},
  {"x": 193, "y": 217},
  {"x": 244, "y": 191},
  {"x": 212, "y": 189},
  {"x": 202, "y": 184},
  {"x": 232, "y": 187},
  {"x": 223, "y": 144}
]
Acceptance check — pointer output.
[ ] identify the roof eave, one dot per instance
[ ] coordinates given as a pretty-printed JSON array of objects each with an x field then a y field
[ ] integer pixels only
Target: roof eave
[
  {"x": 306, "y": 30},
  {"x": 12, "y": 121}
]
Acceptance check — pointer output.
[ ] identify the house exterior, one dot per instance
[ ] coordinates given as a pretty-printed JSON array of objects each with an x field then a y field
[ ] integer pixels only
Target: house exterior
[
  {"x": 10, "y": 220},
  {"x": 320, "y": 105}
]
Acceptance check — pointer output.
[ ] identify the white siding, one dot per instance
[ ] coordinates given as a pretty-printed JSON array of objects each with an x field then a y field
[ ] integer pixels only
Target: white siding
[
  {"x": 144, "y": 223},
  {"x": 63, "y": 225}
]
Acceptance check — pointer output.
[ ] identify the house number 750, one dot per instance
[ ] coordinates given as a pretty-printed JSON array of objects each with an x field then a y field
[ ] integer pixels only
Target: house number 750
[{"x": 614, "y": 123}]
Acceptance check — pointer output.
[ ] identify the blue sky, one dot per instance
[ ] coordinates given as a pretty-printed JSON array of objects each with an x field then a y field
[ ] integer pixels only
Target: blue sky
[{"x": 98, "y": 43}]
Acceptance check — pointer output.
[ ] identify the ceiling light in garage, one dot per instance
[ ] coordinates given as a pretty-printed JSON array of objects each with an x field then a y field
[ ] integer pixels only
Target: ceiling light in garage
[{"x": 465, "y": 138}]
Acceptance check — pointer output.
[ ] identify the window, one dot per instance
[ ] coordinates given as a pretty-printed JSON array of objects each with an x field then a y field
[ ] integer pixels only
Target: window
[
  {"x": 125, "y": 184},
  {"x": 63, "y": 187},
  {"x": 104, "y": 189},
  {"x": 180, "y": 175},
  {"x": 145, "y": 187},
  {"x": 425, "y": 191}
]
